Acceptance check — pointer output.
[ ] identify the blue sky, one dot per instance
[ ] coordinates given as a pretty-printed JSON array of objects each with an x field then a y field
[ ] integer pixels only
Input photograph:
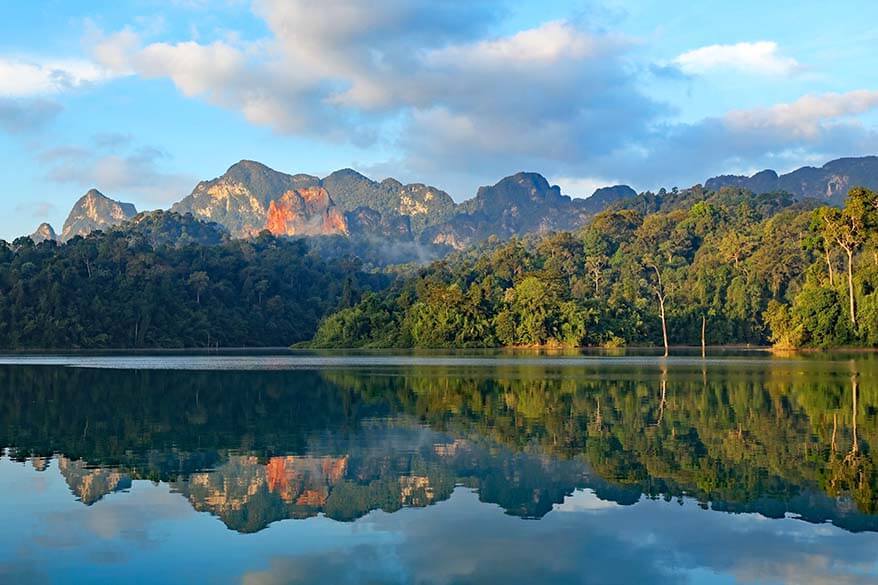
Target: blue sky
[{"x": 142, "y": 99}]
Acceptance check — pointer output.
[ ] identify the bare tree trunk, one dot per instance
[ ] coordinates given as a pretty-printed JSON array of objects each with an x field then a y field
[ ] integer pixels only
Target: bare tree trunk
[
  {"x": 829, "y": 267},
  {"x": 664, "y": 323},
  {"x": 850, "y": 253},
  {"x": 660, "y": 293},
  {"x": 703, "y": 330}
]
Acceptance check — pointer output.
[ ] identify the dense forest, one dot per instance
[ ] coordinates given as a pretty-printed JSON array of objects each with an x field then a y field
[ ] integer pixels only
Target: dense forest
[
  {"x": 672, "y": 268},
  {"x": 678, "y": 267},
  {"x": 168, "y": 281}
]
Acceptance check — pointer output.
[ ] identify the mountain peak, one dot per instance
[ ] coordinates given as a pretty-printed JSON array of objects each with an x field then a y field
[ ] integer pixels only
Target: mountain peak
[
  {"x": 246, "y": 165},
  {"x": 95, "y": 211},
  {"x": 94, "y": 193},
  {"x": 45, "y": 232},
  {"x": 347, "y": 173}
]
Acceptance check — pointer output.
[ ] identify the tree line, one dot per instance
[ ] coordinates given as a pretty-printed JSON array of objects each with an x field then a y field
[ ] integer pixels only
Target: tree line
[
  {"x": 673, "y": 268},
  {"x": 687, "y": 268},
  {"x": 133, "y": 289}
]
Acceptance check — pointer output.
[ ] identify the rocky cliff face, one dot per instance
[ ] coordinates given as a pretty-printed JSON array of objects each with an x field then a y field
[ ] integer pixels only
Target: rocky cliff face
[
  {"x": 522, "y": 203},
  {"x": 44, "y": 233},
  {"x": 305, "y": 212},
  {"x": 370, "y": 223},
  {"x": 241, "y": 197},
  {"x": 831, "y": 182},
  {"x": 95, "y": 211},
  {"x": 251, "y": 197},
  {"x": 421, "y": 204}
]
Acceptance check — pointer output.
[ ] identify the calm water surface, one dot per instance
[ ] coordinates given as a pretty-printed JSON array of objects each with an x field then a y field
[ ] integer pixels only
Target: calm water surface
[{"x": 378, "y": 469}]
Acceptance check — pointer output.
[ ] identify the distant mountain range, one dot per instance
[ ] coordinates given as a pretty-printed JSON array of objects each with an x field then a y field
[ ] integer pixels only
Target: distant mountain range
[
  {"x": 831, "y": 182},
  {"x": 251, "y": 197}
]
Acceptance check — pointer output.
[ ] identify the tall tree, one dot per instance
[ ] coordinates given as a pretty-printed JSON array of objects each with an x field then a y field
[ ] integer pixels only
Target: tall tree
[{"x": 847, "y": 229}]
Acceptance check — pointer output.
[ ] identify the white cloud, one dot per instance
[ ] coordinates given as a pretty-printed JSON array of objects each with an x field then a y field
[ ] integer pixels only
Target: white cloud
[
  {"x": 420, "y": 70},
  {"x": 761, "y": 58},
  {"x": 35, "y": 77},
  {"x": 549, "y": 43},
  {"x": 581, "y": 186},
  {"x": 460, "y": 106},
  {"x": 807, "y": 116}
]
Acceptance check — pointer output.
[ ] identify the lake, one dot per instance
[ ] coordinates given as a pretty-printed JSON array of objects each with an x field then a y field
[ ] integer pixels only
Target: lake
[{"x": 431, "y": 469}]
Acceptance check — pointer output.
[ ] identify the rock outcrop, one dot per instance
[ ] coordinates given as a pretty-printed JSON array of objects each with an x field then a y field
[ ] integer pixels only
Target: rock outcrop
[
  {"x": 44, "y": 233},
  {"x": 241, "y": 197},
  {"x": 421, "y": 204},
  {"x": 95, "y": 211},
  {"x": 305, "y": 212}
]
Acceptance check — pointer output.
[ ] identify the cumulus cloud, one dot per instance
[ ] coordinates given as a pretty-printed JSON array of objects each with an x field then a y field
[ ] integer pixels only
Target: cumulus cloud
[
  {"x": 806, "y": 117},
  {"x": 460, "y": 105},
  {"x": 761, "y": 58},
  {"x": 550, "y": 95},
  {"x": 22, "y": 77}
]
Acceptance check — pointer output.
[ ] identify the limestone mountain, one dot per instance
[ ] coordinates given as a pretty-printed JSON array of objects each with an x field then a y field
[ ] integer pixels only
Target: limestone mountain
[
  {"x": 520, "y": 204},
  {"x": 240, "y": 199},
  {"x": 604, "y": 197},
  {"x": 309, "y": 211},
  {"x": 250, "y": 194},
  {"x": 95, "y": 211},
  {"x": 44, "y": 233},
  {"x": 370, "y": 223},
  {"x": 422, "y": 204},
  {"x": 830, "y": 182}
]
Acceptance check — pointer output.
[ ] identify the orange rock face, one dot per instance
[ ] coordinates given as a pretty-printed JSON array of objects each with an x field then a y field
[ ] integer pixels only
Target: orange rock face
[
  {"x": 304, "y": 480},
  {"x": 305, "y": 212}
]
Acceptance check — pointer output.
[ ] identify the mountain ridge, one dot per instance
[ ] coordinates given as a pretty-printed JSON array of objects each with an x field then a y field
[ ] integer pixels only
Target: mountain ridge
[
  {"x": 830, "y": 182},
  {"x": 251, "y": 197}
]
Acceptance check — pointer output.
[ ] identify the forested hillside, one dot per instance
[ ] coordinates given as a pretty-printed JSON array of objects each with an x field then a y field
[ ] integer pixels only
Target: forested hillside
[
  {"x": 160, "y": 282},
  {"x": 660, "y": 269},
  {"x": 655, "y": 269}
]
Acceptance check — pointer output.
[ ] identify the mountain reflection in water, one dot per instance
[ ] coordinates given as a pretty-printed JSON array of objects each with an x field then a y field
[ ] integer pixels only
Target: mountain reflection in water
[{"x": 252, "y": 448}]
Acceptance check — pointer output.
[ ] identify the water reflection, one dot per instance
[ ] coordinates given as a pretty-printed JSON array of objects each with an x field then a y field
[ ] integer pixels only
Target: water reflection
[
  {"x": 781, "y": 440},
  {"x": 293, "y": 444}
]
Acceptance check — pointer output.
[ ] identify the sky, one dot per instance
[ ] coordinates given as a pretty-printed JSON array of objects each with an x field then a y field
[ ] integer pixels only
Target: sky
[{"x": 142, "y": 99}]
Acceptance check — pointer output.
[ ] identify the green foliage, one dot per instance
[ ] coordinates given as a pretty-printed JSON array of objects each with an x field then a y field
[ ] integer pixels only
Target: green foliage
[
  {"x": 754, "y": 267},
  {"x": 118, "y": 290}
]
